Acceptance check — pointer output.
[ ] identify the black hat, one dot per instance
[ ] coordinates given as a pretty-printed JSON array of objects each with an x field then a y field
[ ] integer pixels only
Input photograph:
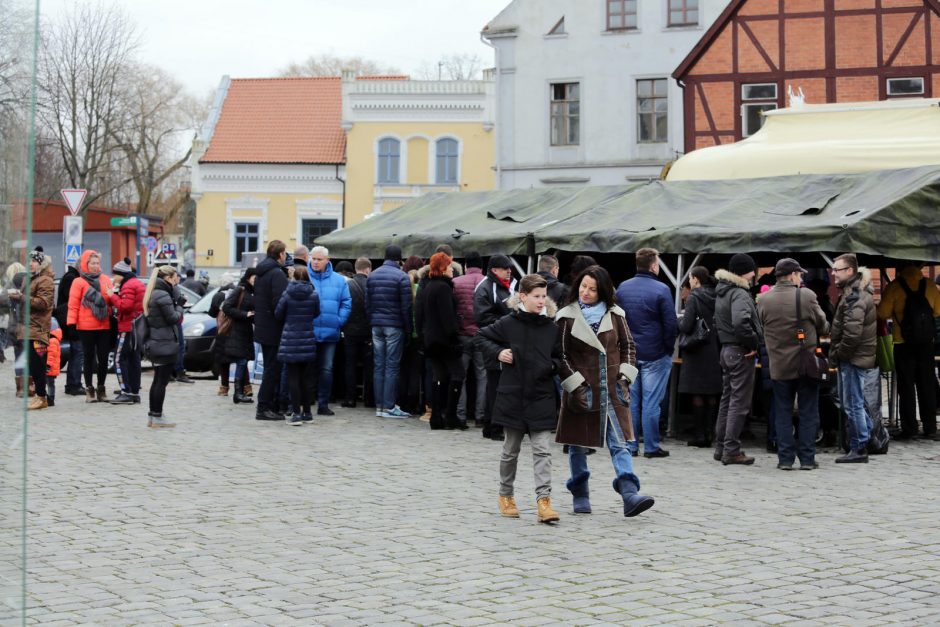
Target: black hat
[
  {"x": 499, "y": 261},
  {"x": 741, "y": 264},
  {"x": 393, "y": 253},
  {"x": 473, "y": 260},
  {"x": 788, "y": 266}
]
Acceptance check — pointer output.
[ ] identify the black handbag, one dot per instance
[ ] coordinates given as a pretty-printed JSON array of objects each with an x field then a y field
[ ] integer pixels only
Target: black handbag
[
  {"x": 698, "y": 337},
  {"x": 813, "y": 363}
]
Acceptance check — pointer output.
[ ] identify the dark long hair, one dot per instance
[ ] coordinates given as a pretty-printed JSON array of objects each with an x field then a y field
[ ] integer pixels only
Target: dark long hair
[
  {"x": 703, "y": 275},
  {"x": 578, "y": 265},
  {"x": 605, "y": 286}
]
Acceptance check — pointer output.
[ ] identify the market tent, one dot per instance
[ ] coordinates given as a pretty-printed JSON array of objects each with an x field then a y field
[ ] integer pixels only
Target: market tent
[
  {"x": 893, "y": 213},
  {"x": 825, "y": 138}
]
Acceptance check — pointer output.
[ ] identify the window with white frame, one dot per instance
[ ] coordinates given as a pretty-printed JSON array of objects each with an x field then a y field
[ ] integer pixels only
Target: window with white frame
[
  {"x": 652, "y": 105},
  {"x": 621, "y": 14},
  {"x": 389, "y": 160},
  {"x": 447, "y": 161},
  {"x": 247, "y": 239},
  {"x": 755, "y": 99},
  {"x": 682, "y": 12},
  {"x": 908, "y": 86},
  {"x": 566, "y": 114},
  {"x": 312, "y": 228}
]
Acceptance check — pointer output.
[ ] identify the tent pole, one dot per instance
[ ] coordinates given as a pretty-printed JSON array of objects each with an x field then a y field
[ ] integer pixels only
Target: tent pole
[
  {"x": 530, "y": 252},
  {"x": 517, "y": 266},
  {"x": 827, "y": 259}
]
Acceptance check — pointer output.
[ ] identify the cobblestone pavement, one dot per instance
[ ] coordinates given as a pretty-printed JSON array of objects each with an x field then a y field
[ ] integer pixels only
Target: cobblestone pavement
[{"x": 360, "y": 520}]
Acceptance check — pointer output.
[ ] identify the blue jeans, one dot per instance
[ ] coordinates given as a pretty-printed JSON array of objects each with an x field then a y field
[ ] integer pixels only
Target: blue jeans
[
  {"x": 852, "y": 381},
  {"x": 619, "y": 455},
  {"x": 806, "y": 392},
  {"x": 325, "y": 353},
  {"x": 646, "y": 397},
  {"x": 73, "y": 378},
  {"x": 241, "y": 375},
  {"x": 387, "y": 345},
  {"x": 180, "y": 367}
]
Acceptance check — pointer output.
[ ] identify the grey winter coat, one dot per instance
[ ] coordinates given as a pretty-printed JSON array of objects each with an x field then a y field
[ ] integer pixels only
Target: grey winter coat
[
  {"x": 164, "y": 314},
  {"x": 854, "y": 326},
  {"x": 777, "y": 310},
  {"x": 735, "y": 312}
]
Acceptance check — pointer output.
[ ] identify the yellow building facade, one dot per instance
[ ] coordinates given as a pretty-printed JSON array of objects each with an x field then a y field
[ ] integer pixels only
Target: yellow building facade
[{"x": 408, "y": 138}]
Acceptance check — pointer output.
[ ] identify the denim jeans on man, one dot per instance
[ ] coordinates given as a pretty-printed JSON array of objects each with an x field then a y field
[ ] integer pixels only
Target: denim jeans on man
[
  {"x": 646, "y": 397},
  {"x": 852, "y": 381},
  {"x": 326, "y": 351},
  {"x": 619, "y": 455},
  {"x": 806, "y": 392},
  {"x": 387, "y": 344}
]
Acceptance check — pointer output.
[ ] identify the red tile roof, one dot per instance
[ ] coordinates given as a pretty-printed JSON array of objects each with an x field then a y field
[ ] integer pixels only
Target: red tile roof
[{"x": 280, "y": 120}]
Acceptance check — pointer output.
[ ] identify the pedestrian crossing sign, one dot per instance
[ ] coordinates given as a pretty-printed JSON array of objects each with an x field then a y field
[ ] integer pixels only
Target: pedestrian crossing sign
[{"x": 73, "y": 253}]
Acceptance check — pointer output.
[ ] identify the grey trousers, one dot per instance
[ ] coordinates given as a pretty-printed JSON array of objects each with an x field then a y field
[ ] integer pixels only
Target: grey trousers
[
  {"x": 472, "y": 356},
  {"x": 541, "y": 442},
  {"x": 737, "y": 376}
]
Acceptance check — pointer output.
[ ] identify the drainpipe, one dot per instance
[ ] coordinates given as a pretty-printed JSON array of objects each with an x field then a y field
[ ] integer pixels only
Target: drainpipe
[
  {"x": 343, "y": 212},
  {"x": 496, "y": 113}
]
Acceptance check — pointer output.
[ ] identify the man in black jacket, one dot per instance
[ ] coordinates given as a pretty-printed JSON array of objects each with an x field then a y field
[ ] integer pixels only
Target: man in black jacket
[
  {"x": 73, "y": 379},
  {"x": 548, "y": 270},
  {"x": 270, "y": 284},
  {"x": 489, "y": 305},
  {"x": 740, "y": 334},
  {"x": 357, "y": 337}
]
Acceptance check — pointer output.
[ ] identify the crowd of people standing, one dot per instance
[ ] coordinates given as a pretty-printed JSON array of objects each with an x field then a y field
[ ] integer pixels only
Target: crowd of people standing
[{"x": 579, "y": 362}]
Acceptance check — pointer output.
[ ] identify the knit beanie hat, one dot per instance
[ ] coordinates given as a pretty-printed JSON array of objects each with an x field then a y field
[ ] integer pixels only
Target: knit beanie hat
[
  {"x": 123, "y": 268},
  {"x": 741, "y": 264},
  {"x": 38, "y": 256},
  {"x": 499, "y": 261}
]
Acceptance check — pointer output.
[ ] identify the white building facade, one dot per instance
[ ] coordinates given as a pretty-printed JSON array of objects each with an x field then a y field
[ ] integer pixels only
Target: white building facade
[{"x": 584, "y": 94}]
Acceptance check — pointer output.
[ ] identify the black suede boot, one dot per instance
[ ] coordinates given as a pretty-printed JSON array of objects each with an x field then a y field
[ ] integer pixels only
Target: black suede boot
[
  {"x": 453, "y": 399},
  {"x": 700, "y": 427}
]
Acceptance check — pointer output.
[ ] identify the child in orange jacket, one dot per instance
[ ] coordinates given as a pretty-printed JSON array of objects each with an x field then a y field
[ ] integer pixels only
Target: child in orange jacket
[{"x": 53, "y": 365}]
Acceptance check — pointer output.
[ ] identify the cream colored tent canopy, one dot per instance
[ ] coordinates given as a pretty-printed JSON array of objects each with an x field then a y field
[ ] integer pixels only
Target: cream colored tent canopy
[{"x": 825, "y": 139}]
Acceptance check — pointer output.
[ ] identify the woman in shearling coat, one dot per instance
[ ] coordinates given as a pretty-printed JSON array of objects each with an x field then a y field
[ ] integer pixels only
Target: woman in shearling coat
[{"x": 598, "y": 364}]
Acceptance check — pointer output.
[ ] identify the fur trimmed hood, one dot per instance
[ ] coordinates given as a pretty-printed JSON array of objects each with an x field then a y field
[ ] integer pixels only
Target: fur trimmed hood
[
  {"x": 550, "y": 307},
  {"x": 731, "y": 277}
]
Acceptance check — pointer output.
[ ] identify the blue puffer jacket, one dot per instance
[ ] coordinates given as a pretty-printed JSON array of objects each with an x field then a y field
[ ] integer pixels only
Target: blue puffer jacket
[
  {"x": 651, "y": 315},
  {"x": 296, "y": 310},
  {"x": 389, "y": 300},
  {"x": 335, "y": 303}
]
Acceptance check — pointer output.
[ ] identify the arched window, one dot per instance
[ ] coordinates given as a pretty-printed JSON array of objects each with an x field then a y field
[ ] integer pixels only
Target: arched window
[
  {"x": 389, "y": 160},
  {"x": 447, "y": 160}
]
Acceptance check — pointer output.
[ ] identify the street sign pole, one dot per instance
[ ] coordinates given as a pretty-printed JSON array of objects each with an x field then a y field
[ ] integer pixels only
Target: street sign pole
[{"x": 143, "y": 228}]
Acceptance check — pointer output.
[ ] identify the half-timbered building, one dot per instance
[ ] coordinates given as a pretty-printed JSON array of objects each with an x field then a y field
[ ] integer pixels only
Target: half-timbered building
[{"x": 832, "y": 50}]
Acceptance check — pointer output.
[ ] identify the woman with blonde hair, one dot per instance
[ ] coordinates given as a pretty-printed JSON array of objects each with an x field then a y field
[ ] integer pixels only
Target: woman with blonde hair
[
  {"x": 163, "y": 306},
  {"x": 90, "y": 300}
]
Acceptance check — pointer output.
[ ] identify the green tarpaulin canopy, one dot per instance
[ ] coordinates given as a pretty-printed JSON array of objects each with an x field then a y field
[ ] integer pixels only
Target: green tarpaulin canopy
[{"x": 892, "y": 213}]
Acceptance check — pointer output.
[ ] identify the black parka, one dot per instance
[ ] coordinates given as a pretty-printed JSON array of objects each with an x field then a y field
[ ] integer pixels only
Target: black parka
[
  {"x": 701, "y": 371},
  {"x": 525, "y": 398},
  {"x": 164, "y": 313},
  {"x": 270, "y": 284},
  {"x": 240, "y": 341},
  {"x": 736, "y": 313},
  {"x": 436, "y": 317}
]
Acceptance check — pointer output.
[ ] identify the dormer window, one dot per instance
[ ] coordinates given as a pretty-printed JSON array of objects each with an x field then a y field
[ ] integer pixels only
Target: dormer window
[{"x": 621, "y": 14}]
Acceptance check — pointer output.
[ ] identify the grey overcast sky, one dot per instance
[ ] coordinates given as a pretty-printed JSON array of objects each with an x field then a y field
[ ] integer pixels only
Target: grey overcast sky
[{"x": 198, "y": 41}]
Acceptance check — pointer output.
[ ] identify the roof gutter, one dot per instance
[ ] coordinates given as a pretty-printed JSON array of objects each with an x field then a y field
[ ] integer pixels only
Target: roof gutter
[{"x": 343, "y": 210}]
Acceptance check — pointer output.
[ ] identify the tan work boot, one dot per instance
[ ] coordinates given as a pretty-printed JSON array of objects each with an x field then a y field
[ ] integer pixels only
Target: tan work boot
[
  {"x": 223, "y": 390},
  {"x": 546, "y": 513},
  {"x": 102, "y": 394},
  {"x": 507, "y": 507},
  {"x": 90, "y": 396},
  {"x": 37, "y": 402},
  {"x": 247, "y": 390}
]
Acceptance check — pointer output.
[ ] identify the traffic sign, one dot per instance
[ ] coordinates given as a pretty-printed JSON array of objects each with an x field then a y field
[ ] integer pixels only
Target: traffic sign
[
  {"x": 170, "y": 249},
  {"x": 72, "y": 228},
  {"x": 126, "y": 221},
  {"x": 73, "y": 252},
  {"x": 151, "y": 243},
  {"x": 74, "y": 198}
]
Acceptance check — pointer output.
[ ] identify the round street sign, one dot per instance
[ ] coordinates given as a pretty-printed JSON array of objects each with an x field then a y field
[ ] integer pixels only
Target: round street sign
[{"x": 151, "y": 244}]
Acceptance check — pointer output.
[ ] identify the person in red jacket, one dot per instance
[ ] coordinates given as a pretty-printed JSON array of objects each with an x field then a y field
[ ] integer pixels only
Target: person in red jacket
[
  {"x": 129, "y": 301},
  {"x": 90, "y": 301},
  {"x": 53, "y": 363}
]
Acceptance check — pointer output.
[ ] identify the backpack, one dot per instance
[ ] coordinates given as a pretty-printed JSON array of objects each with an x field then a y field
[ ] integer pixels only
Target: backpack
[
  {"x": 141, "y": 328},
  {"x": 917, "y": 327}
]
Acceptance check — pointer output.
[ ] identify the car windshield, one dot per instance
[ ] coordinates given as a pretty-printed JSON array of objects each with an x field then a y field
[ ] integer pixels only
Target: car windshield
[{"x": 205, "y": 302}]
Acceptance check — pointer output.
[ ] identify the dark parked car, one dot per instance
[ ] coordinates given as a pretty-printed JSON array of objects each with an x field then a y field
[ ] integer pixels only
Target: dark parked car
[{"x": 199, "y": 332}]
